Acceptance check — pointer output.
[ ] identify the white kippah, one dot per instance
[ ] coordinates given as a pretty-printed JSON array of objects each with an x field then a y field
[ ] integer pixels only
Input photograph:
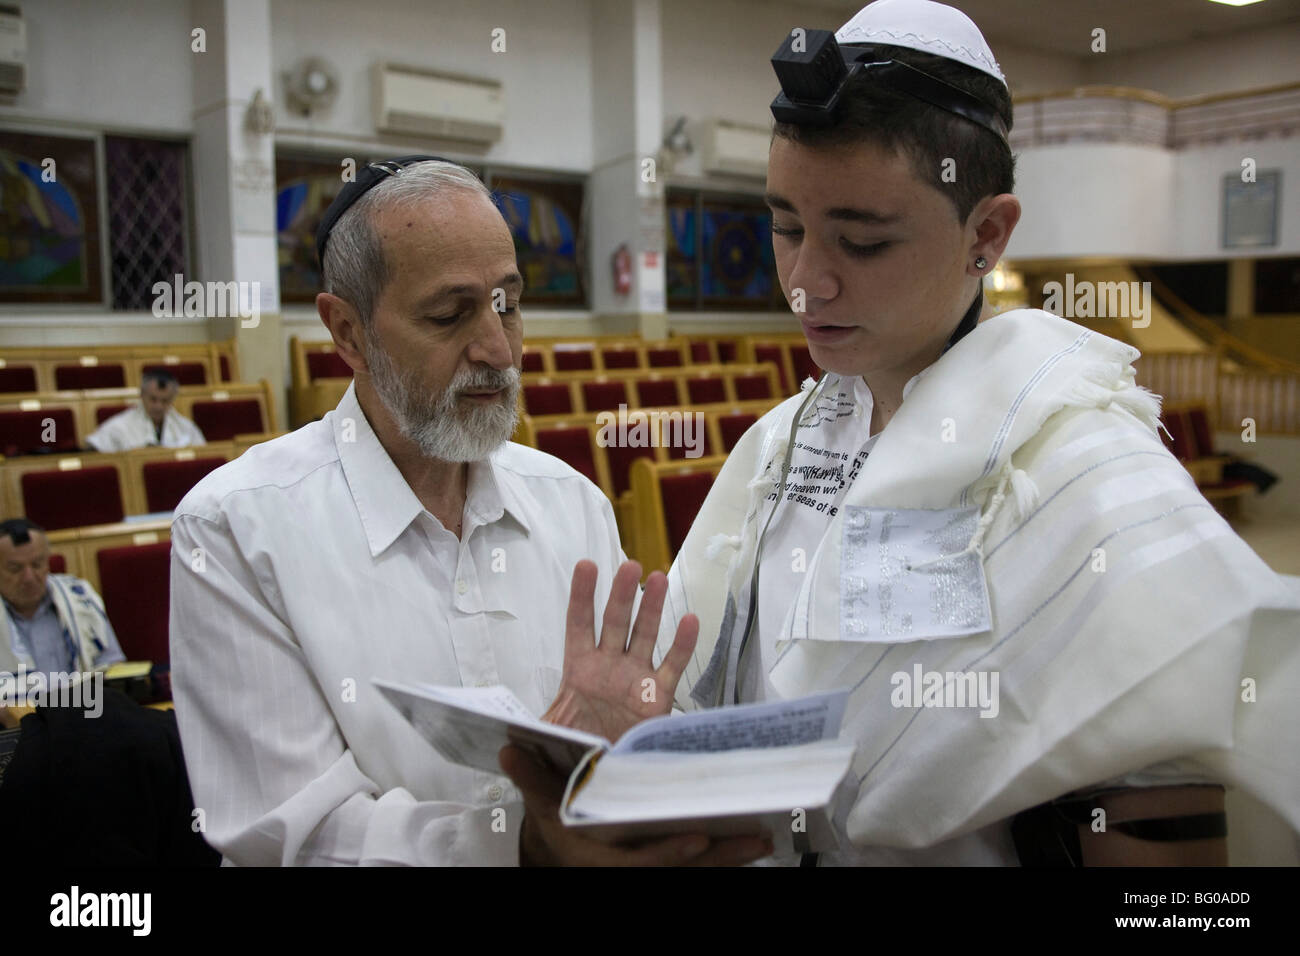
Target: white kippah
[{"x": 922, "y": 25}]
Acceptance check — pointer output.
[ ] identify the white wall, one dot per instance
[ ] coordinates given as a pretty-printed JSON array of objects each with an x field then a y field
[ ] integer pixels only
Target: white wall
[
  {"x": 545, "y": 70},
  {"x": 1143, "y": 202},
  {"x": 1222, "y": 64},
  {"x": 125, "y": 64},
  {"x": 1093, "y": 200}
]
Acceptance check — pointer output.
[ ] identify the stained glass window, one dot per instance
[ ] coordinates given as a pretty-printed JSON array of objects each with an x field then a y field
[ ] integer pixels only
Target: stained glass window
[
  {"x": 49, "y": 219},
  {"x": 545, "y": 218}
]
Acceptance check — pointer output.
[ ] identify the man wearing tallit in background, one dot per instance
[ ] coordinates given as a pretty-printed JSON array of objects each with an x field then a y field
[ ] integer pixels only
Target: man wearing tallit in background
[{"x": 974, "y": 527}]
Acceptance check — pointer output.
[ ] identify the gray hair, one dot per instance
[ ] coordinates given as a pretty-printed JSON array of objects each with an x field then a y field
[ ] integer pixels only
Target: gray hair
[{"x": 355, "y": 268}]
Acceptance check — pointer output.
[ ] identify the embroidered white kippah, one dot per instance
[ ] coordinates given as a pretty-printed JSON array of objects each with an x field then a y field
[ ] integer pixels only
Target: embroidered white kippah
[{"x": 922, "y": 25}]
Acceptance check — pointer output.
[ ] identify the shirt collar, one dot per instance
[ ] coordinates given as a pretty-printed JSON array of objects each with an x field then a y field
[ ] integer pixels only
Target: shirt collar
[{"x": 385, "y": 502}]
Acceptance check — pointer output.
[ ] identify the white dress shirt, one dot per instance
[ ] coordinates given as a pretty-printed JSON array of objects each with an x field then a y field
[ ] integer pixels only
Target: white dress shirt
[
  {"x": 307, "y": 567},
  {"x": 133, "y": 428}
]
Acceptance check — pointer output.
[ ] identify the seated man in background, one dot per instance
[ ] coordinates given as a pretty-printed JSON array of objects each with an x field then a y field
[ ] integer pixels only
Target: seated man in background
[
  {"x": 152, "y": 422},
  {"x": 87, "y": 778},
  {"x": 52, "y": 622},
  {"x": 402, "y": 536}
]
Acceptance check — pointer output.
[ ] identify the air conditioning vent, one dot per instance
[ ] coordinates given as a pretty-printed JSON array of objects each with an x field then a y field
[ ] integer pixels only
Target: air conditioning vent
[{"x": 416, "y": 102}]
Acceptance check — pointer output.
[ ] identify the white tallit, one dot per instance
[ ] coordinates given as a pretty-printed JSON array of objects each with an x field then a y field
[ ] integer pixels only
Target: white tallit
[
  {"x": 1102, "y": 673},
  {"x": 81, "y": 612}
]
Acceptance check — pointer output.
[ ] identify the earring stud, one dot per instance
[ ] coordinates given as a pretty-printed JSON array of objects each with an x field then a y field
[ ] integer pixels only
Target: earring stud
[{"x": 981, "y": 263}]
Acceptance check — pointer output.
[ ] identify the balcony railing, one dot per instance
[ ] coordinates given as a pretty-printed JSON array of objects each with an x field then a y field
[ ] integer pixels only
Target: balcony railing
[{"x": 1104, "y": 114}]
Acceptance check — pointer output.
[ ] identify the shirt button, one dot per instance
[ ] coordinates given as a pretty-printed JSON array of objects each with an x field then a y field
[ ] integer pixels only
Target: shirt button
[
  {"x": 461, "y": 586},
  {"x": 857, "y": 411},
  {"x": 495, "y": 792}
]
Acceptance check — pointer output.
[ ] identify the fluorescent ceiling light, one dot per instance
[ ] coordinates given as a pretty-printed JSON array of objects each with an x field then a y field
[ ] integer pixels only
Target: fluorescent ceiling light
[{"x": 1236, "y": 3}]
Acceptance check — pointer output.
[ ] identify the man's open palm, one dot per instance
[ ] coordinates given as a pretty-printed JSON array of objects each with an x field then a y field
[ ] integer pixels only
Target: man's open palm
[{"x": 611, "y": 685}]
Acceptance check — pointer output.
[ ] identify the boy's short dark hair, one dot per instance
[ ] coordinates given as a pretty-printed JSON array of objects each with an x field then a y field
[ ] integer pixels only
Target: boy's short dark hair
[
  {"x": 874, "y": 112},
  {"x": 19, "y": 530}
]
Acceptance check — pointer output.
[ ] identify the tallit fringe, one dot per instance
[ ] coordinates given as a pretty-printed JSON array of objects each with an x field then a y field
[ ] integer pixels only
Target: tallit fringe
[{"x": 1107, "y": 383}]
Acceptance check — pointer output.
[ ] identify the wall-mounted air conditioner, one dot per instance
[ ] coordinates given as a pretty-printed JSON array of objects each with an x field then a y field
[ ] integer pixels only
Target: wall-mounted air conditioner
[
  {"x": 416, "y": 102},
  {"x": 734, "y": 149},
  {"x": 13, "y": 50}
]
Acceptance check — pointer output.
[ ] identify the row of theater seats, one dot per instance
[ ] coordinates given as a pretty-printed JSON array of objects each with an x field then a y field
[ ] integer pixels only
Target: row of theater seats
[
  {"x": 67, "y": 491},
  {"x": 62, "y": 369},
  {"x": 40, "y": 423},
  {"x": 567, "y": 393},
  {"x": 654, "y": 510},
  {"x": 319, "y": 376}
]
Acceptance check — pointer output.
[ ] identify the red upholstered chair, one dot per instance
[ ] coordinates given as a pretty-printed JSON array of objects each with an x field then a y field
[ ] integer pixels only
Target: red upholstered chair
[
  {"x": 18, "y": 378},
  {"x": 134, "y": 582},
  {"x": 701, "y": 354},
  {"x": 732, "y": 426},
  {"x": 620, "y": 465},
  {"x": 603, "y": 396},
  {"x": 726, "y": 351},
  {"x": 683, "y": 494},
  {"x": 533, "y": 362},
  {"x": 804, "y": 366},
  {"x": 652, "y": 392},
  {"x": 89, "y": 376},
  {"x": 185, "y": 373},
  {"x": 751, "y": 387},
  {"x": 549, "y": 398},
  {"x": 1199, "y": 419},
  {"x": 225, "y": 368},
  {"x": 1179, "y": 437},
  {"x": 327, "y": 365},
  {"x": 772, "y": 353},
  {"x": 104, "y": 412},
  {"x": 705, "y": 389},
  {"x": 222, "y": 420},
  {"x": 70, "y": 499},
  {"x": 24, "y": 432},
  {"x": 664, "y": 358},
  {"x": 167, "y": 482},
  {"x": 581, "y": 359},
  {"x": 620, "y": 358},
  {"x": 573, "y": 445},
  {"x": 678, "y": 441},
  {"x": 58, "y": 565}
]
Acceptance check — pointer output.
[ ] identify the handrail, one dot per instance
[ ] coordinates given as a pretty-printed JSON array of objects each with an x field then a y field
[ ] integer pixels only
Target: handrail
[
  {"x": 1150, "y": 96},
  {"x": 1206, "y": 329}
]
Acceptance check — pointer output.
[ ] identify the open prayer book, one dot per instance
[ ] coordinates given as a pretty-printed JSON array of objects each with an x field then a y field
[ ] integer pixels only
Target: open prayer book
[{"x": 775, "y": 768}]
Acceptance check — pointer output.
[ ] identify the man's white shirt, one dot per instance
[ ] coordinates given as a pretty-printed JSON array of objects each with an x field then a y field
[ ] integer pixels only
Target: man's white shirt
[
  {"x": 306, "y": 568},
  {"x": 134, "y": 428}
]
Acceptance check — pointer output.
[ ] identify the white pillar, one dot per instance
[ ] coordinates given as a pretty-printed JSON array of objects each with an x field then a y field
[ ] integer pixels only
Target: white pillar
[
  {"x": 234, "y": 180},
  {"x": 627, "y": 194}
]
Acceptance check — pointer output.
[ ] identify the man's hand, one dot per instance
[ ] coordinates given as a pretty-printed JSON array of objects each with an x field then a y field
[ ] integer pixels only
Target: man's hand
[
  {"x": 611, "y": 685},
  {"x": 545, "y": 841}
]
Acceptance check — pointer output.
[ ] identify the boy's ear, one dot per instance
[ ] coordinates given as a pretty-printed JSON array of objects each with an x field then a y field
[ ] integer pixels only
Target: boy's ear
[{"x": 995, "y": 218}]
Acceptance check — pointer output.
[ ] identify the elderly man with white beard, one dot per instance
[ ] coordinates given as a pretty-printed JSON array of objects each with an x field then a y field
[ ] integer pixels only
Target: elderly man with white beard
[{"x": 404, "y": 537}]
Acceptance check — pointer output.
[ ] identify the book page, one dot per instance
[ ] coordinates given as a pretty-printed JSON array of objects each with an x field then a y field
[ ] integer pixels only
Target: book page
[
  {"x": 778, "y": 723},
  {"x": 470, "y": 725}
]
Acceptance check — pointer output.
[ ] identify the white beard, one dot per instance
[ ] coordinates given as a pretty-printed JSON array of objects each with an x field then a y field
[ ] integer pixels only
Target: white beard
[{"x": 447, "y": 429}]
